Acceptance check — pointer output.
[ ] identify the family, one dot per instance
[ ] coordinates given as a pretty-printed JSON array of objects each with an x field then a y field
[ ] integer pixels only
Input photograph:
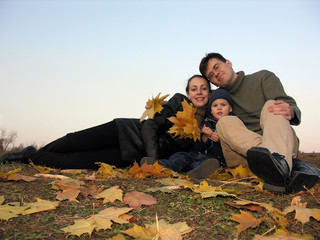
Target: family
[{"x": 246, "y": 121}]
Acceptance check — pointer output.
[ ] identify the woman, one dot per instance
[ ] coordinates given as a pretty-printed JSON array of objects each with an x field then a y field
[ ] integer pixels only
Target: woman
[{"x": 121, "y": 141}]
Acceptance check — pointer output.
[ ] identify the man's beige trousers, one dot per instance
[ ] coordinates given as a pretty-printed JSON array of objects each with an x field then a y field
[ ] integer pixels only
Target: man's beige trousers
[{"x": 236, "y": 139}]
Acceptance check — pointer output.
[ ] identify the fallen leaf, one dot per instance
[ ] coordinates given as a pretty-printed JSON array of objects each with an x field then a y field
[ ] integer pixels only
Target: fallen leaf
[
  {"x": 80, "y": 227},
  {"x": 17, "y": 177},
  {"x": 53, "y": 176},
  {"x": 102, "y": 220},
  {"x": 70, "y": 190},
  {"x": 4, "y": 175},
  {"x": 246, "y": 221},
  {"x": 117, "y": 237},
  {"x": 303, "y": 214},
  {"x": 185, "y": 124},
  {"x": 40, "y": 206},
  {"x": 280, "y": 234},
  {"x": 41, "y": 169},
  {"x": 138, "y": 232},
  {"x": 296, "y": 201},
  {"x": 156, "y": 107},
  {"x": 137, "y": 199},
  {"x": 111, "y": 194},
  {"x": 11, "y": 210}
]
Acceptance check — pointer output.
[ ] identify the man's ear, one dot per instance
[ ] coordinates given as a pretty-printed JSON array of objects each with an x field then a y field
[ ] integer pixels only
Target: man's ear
[{"x": 229, "y": 63}]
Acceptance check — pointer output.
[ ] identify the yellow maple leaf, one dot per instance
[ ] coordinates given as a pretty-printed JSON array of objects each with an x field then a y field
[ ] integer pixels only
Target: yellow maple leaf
[
  {"x": 303, "y": 214},
  {"x": 111, "y": 194},
  {"x": 185, "y": 124},
  {"x": 40, "y": 206},
  {"x": 11, "y": 210},
  {"x": 155, "y": 170},
  {"x": 102, "y": 220},
  {"x": 138, "y": 232},
  {"x": 156, "y": 107},
  {"x": 80, "y": 227},
  {"x": 246, "y": 221}
]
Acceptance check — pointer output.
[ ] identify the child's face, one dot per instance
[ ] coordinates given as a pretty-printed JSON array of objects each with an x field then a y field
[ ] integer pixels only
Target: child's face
[{"x": 220, "y": 107}]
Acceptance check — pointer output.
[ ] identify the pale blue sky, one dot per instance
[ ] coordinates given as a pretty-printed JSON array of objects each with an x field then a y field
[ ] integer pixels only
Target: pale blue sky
[{"x": 70, "y": 65}]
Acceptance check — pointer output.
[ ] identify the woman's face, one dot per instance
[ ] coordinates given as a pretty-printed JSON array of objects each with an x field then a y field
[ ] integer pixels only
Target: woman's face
[{"x": 198, "y": 91}]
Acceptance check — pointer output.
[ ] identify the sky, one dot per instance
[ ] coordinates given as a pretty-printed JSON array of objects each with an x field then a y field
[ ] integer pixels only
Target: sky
[{"x": 70, "y": 65}]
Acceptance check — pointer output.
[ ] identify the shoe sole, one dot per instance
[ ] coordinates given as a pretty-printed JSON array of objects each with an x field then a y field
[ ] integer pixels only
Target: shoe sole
[
  {"x": 261, "y": 162},
  {"x": 205, "y": 169}
]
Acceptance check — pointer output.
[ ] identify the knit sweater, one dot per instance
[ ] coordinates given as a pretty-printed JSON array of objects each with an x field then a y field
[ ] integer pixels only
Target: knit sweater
[{"x": 250, "y": 92}]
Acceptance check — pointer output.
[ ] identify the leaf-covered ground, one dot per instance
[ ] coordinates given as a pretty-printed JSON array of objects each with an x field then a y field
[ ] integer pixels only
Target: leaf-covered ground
[{"x": 215, "y": 217}]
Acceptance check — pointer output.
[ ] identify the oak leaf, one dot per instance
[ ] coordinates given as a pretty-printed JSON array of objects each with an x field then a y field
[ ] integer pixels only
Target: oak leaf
[
  {"x": 185, "y": 124},
  {"x": 136, "y": 199},
  {"x": 156, "y": 107},
  {"x": 246, "y": 221},
  {"x": 111, "y": 194}
]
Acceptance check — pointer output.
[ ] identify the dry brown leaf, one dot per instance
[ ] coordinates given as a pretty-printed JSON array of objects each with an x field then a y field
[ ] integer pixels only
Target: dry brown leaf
[
  {"x": 185, "y": 124},
  {"x": 136, "y": 199},
  {"x": 246, "y": 221},
  {"x": 70, "y": 190},
  {"x": 296, "y": 201},
  {"x": 17, "y": 177},
  {"x": 41, "y": 169}
]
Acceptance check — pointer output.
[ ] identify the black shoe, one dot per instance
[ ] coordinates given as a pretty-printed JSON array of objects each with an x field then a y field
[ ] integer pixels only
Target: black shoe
[
  {"x": 205, "y": 169},
  {"x": 148, "y": 160},
  {"x": 273, "y": 169},
  {"x": 21, "y": 156},
  {"x": 303, "y": 174}
]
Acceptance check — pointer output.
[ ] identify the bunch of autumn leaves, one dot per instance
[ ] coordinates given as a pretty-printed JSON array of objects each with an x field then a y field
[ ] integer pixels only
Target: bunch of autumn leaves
[{"x": 185, "y": 124}]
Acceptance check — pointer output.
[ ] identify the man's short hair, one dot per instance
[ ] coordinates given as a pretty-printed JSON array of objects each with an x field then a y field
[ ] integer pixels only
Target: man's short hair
[{"x": 204, "y": 62}]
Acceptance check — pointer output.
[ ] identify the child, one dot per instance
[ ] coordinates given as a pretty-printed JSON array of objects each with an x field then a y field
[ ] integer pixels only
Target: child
[{"x": 206, "y": 156}]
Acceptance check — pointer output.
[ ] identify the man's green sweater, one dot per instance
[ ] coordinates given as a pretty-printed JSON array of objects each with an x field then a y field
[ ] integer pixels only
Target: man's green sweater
[{"x": 250, "y": 92}]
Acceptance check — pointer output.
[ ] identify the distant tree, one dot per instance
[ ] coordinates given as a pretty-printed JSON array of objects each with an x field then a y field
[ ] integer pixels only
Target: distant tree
[{"x": 7, "y": 139}]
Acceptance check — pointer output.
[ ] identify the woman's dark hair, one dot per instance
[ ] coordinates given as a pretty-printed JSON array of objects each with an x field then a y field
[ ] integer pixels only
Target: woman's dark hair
[
  {"x": 204, "y": 62},
  {"x": 199, "y": 76}
]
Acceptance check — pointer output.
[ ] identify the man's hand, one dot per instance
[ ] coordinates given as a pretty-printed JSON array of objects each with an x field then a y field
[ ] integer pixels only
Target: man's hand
[{"x": 282, "y": 108}]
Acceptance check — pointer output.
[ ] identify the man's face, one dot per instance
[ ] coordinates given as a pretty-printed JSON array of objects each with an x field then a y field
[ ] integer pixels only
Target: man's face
[{"x": 219, "y": 73}]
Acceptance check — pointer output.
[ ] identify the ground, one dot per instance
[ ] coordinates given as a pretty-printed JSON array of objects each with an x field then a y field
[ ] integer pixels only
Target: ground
[{"x": 209, "y": 217}]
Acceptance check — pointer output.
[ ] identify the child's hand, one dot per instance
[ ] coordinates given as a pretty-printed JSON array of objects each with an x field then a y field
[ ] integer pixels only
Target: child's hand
[
  {"x": 206, "y": 130},
  {"x": 214, "y": 137}
]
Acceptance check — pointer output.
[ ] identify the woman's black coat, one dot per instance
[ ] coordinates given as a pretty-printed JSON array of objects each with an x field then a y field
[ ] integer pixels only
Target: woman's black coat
[{"x": 151, "y": 138}]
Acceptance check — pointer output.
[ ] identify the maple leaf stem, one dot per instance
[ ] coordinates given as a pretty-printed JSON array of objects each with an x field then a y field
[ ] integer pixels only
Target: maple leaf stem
[
  {"x": 311, "y": 194},
  {"x": 266, "y": 232}
]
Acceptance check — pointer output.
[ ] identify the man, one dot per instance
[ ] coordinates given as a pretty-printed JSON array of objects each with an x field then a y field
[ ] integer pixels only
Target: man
[{"x": 259, "y": 135}]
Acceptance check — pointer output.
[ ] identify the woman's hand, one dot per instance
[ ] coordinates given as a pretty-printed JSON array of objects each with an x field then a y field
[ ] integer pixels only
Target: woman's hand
[{"x": 282, "y": 108}]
